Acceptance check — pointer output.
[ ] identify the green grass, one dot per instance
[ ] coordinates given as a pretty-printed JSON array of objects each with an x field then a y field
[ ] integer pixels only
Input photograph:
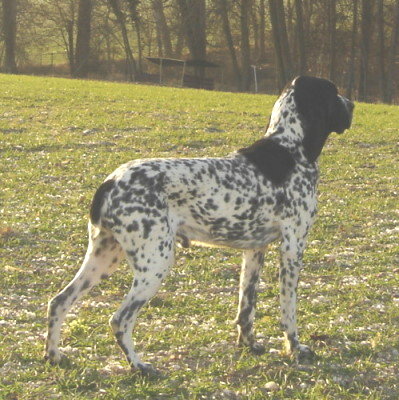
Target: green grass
[{"x": 60, "y": 138}]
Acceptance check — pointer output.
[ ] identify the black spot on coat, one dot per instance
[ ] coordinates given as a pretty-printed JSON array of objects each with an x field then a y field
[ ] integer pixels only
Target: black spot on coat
[{"x": 273, "y": 160}]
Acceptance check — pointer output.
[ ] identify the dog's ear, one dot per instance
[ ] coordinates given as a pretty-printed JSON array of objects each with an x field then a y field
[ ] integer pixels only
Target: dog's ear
[{"x": 320, "y": 110}]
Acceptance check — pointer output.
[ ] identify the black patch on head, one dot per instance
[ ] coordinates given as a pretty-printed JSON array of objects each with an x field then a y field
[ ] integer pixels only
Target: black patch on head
[
  {"x": 273, "y": 160},
  {"x": 98, "y": 200},
  {"x": 321, "y": 112}
]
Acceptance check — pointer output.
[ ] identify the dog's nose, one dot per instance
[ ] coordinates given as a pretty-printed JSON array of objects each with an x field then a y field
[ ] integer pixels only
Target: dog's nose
[{"x": 348, "y": 104}]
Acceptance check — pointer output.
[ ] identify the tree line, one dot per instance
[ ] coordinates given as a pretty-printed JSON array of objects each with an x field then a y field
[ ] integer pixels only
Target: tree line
[{"x": 352, "y": 42}]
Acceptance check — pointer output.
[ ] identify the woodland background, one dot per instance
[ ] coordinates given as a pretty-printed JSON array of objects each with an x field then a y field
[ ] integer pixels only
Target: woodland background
[{"x": 354, "y": 43}]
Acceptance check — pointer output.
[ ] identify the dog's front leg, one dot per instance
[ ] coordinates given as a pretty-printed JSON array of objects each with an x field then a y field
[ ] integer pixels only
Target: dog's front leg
[
  {"x": 252, "y": 263},
  {"x": 291, "y": 261}
]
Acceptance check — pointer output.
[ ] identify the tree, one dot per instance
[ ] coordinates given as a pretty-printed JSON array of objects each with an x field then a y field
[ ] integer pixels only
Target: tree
[
  {"x": 162, "y": 29},
  {"x": 223, "y": 10},
  {"x": 194, "y": 23},
  {"x": 245, "y": 48},
  {"x": 392, "y": 55},
  {"x": 121, "y": 19},
  {"x": 193, "y": 15},
  {"x": 332, "y": 34},
  {"x": 304, "y": 35},
  {"x": 300, "y": 37},
  {"x": 135, "y": 18},
  {"x": 351, "y": 67},
  {"x": 277, "y": 45},
  {"x": 82, "y": 53},
  {"x": 284, "y": 41},
  {"x": 365, "y": 43},
  {"x": 281, "y": 44},
  {"x": 381, "y": 48},
  {"x": 10, "y": 32},
  {"x": 262, "y": 30}
]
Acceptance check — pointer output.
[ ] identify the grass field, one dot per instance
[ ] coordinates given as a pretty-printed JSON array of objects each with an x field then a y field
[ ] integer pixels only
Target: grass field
[{"x": 60, "y": 138}]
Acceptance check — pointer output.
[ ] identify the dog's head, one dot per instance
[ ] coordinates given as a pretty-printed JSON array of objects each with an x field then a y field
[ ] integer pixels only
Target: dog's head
[{"x": 322, "y": 111}]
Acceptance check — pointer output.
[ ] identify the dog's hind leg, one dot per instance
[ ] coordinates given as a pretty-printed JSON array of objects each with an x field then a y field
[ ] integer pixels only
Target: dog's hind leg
[
  {"x": 252, "y": 263},
  {"x": 103, "y": 256},
  {"x": 151, "y": 260}
]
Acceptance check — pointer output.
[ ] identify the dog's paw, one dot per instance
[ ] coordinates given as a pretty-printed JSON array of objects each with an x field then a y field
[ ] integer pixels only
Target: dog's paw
[
  {"x": 55, "y": 357},
  {"x": 146, "y": 369},
  {"x": 304, "y": 353},
  {"x": 254, "y": 347},
  {"x": 257, "y": 348}
]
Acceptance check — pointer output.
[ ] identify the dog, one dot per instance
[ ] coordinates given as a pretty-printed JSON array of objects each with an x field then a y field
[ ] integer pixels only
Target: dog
[{"x": 259, "y": 194}]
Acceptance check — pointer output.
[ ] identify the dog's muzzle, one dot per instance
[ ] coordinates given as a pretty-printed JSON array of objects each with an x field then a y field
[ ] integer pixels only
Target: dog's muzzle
[{"x": 349, "y": 106}]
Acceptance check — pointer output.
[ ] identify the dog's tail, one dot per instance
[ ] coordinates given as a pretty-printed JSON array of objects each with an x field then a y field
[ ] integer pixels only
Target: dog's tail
[{"x": 98, "y": 200}]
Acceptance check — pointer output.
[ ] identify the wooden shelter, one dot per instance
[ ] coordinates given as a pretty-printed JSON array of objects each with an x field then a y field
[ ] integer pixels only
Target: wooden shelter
[{"x": 195, "y": 80}]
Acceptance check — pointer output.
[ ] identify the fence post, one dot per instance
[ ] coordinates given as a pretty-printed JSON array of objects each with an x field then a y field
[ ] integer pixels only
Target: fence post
[
  {"x": 182, "y": 76},
  {"x": 255, "y": 78}
]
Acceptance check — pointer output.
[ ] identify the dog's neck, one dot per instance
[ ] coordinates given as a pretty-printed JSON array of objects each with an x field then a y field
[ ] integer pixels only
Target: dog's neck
[{"x": 285, "y": 125}]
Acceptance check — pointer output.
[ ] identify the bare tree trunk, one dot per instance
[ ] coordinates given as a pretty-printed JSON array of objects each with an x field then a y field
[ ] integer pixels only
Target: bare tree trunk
[
  {"x": 288, "y": 8},
  {"x": 366, "y": 25},
  {"x": 107, "y": 36},
  {"x": 193, "y": 15},
  {"x": 134, "y": 16},
  {"x": 284, "y": 41},
  {"x": 131, "y": 63},
  {"x": 332, "y": 34},
  {"x": 262, "y": 31},
  {"x": 179, "y": 29},
  {"x": 158, "y": 36},
  {"x": 255, "y": 28},
  {"x": 300, "y": 37},
  {"x": 351, "y": 75},
  {"x": 70, "y": 46},
  {"x": 162, "y": 27},
  {"x": 281, "y": 45},
  {"x": 392, "y": 55},
  {"x": 66, "y": 21},
  {"x": 179, "y": 42},
  {"x": 281, "y": 74},
  {"x": 245, "y": 49},
  {"x": 82, "y": 53},
  {"x": 381, "y": 50},
  {"x": 229, "y": 39},
  {"x": 10, "y": 33},
  {"x": 308, "y": 8},
  {"x": 194, "y": 23}
]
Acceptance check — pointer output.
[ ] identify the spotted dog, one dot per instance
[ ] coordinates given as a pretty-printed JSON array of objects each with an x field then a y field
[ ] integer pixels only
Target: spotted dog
[{"x": 259, "y": 194}]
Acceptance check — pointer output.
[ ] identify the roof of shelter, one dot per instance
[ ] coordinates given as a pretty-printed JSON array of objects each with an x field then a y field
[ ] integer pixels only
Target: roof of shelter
[{"x": 169, "y": 62}]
